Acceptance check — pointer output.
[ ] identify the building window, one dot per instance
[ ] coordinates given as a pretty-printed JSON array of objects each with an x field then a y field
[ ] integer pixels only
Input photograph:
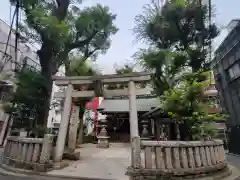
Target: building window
[
  {"x": 238, "y": 54},
  {"x": 4, "y": 93},
  {"x": 234, "y": 72},
  {"x": 231, "y": 74},
  {"x": 231, "y": 60}
]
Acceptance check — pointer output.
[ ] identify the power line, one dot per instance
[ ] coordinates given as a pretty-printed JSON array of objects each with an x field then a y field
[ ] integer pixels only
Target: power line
[{"x": 8, "y": 38}]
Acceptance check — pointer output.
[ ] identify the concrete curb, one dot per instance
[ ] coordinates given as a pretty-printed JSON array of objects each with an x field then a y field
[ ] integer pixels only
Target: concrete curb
[
  {"x": 231, "y": 154},
  {"x": 9, "y": 171}
]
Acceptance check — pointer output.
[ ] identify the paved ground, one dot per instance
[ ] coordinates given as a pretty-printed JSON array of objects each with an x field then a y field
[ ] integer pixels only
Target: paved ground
[
  {"x": 21, "y": 178},
  {"x": 11, "y": 178},
  {"x": 108, "y": 163},
  {"x": 234, "y": 160},
  {"x": 101, "y": 163}
]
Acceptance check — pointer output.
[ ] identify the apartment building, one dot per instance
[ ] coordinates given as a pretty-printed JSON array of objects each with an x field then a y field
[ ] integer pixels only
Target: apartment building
[
  {"x": 226, "y": 69},
  {"x": 8, "y": 62},
  {"x": 27, "y": 56}
]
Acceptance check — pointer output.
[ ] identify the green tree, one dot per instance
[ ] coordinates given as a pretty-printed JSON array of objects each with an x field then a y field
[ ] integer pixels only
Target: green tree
[
  {"x": 126, "y": 68},
  {"x": 167, "y": 66},
  {"x": 179, "y": 35},
  {"x": 60, "y": 27},
  {"x": 27, "y": 101},
  {"x": 186, "y": 104},
  {"x": 80, "y": 67}
]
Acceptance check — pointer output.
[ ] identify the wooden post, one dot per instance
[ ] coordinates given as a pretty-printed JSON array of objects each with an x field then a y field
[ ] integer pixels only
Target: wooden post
[{"x": 64, "y": 124}]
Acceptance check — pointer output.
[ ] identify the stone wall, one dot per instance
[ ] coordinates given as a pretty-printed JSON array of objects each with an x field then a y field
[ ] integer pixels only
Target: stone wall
[
  {"x": 179, "y": 159},
  {"x": 29, "y": 153}
]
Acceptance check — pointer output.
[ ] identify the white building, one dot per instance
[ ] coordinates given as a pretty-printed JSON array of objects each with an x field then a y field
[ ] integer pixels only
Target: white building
[{"x": 25, "y": 55}]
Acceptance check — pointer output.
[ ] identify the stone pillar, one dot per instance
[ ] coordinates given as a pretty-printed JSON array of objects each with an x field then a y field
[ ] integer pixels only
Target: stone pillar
[
  {"x": 64, "y": 124},
  {"x": 72, "y": 138},
  {"x": 10, "y": 119},
  {"x": 80, "y": 133},
  {"x": 162, "y": 134},
  {"x": 46, "y": 149},
  {"x": 133, "y": 110},
  {"x": 158, "y": 132},
  {"x": 153, "y": 127},
  {"x": 177, "y": 132},
  {"x": 135, "y": 139},
  {"x": 4, "y": 128}
]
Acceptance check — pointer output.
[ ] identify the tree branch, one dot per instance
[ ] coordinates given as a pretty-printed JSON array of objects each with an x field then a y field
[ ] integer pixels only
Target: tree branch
[
  {"x": 88, "y": 54},
  {"x": 78, "y": 44},
  {"x": 62, "y": 9}
]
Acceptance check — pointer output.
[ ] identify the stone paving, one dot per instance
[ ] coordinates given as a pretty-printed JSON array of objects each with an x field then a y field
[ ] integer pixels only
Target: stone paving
[
  {"x": 108, "y": 163},
  {"x": 234, "y": 161}
]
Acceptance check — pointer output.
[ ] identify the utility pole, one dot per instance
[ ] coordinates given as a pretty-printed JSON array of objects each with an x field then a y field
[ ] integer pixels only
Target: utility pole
[
  {"x": 210, "y": 22},
  {"x": 10, "y": 117},
  {"x": 16, "y": 34}
]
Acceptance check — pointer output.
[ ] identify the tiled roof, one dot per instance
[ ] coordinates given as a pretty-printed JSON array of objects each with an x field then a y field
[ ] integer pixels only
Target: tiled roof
[{"x": 122, "y": 105}]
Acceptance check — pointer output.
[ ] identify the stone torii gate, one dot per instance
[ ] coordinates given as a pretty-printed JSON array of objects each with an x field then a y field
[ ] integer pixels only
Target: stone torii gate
[{"x": 99, "y": 81}]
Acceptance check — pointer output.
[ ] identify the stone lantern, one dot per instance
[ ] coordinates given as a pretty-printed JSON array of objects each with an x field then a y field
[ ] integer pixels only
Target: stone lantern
[
  {"x": 145, "y": 133},
  {"x": 102, "y": 136}
]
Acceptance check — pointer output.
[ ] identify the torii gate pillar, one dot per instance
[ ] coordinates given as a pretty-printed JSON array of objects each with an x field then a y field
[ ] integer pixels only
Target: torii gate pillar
[{"x": 64, "y": 125}]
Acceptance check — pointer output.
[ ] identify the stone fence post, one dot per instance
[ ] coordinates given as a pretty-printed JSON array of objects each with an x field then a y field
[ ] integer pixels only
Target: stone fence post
[
  {"x": 136, "y": 152},
  {"x": 46, "y": 149}
]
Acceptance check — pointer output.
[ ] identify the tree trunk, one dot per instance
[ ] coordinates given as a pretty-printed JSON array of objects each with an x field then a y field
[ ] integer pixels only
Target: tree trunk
[{"x": 45, "y": 56}]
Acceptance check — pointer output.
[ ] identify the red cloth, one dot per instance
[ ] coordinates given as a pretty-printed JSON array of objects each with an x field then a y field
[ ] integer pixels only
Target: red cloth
[{"x": 93, "y": 105}]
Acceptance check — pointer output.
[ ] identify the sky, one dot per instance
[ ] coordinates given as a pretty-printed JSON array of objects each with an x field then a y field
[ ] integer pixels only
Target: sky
[{"x": 123, "y": 45}]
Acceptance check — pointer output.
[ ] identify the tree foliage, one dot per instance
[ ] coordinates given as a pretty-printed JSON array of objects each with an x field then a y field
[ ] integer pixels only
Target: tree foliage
[
  {"x": 60, "y": 27},
  {"x": 179, "y": 36},
  {"x": 80, "y": 67},
  {"x": 27, "y": 101},
  {"x": 186, "y": 104},
  {"x": 167, "y": 66},
  {"x": 126, "y": 68}
]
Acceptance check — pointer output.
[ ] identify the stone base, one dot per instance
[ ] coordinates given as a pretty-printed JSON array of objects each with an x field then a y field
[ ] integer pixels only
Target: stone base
[
  {"x": 225, "y": 174},
  {"x": 145, "y": 138},
  {"x": 37, "y": 167},
  {"x": 74, "y": 156},
  {"x": 218, "y": 172},
  {"x": 60, "y": 165},
  {"x": 103, "y": 142}
]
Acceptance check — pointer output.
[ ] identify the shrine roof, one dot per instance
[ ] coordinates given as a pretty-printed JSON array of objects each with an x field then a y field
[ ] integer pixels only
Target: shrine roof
[{"x": 122, "y": 105}]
